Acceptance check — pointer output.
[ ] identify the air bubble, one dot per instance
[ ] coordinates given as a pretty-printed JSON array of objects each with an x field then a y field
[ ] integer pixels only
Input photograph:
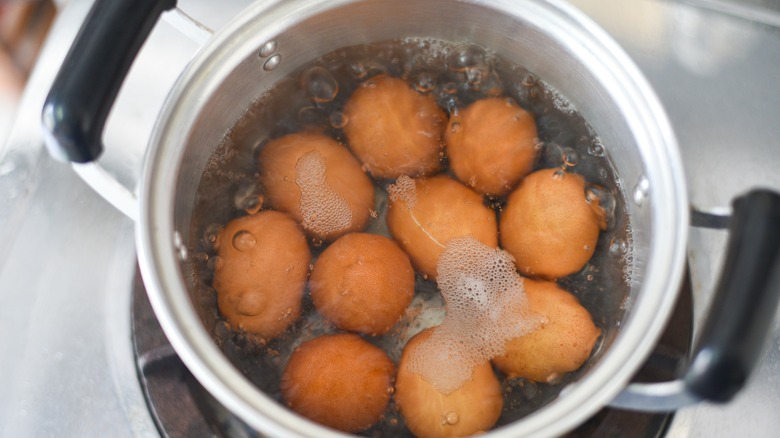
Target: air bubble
[
  {"x": 451, "y": 103},
  {"x": 601, "y": 198},
  {"x": 617, "y": 248},
  {"x": 570, "y": 157},
  {"x": 251, "y": 303},
  {"x": 451, "y": 418},
  {"x": 530, "y": 81},
  {"x": 423, "y": 81},
  {"x": 530, "y": 88},
  {"x": 366, "y": 69},
  {"x": 596, "y": 149},
  {"x": 468, "y": 57},
  {"x": 319, "y": 84},
  {"x": 211, "y": 236},
  {"x": 248, "y": 197},
  {"x": 244, "y": 241},
  {"x": 338, "y": 120}
]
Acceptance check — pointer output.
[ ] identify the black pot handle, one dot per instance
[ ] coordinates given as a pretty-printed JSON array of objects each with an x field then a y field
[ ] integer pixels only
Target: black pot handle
[
  {"x": 745, "y": 300},
  {"x": 739, "y": 318},
  {"x": 88, "y": 82}
]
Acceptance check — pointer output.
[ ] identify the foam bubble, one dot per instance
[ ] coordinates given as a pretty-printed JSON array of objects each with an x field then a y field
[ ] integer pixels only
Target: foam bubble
[
  {"x": 486, "y": 307},
  {"x": 630, "y": 274},
  {"x": 324, "y": 211},
  {"x": 403, "y": 190},
  {"x": 561, "y": 103}
]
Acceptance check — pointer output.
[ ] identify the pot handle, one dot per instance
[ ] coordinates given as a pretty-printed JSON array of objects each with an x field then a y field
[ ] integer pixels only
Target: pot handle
[
  {"x": 88, "y": 82},
  {"x": 739, "y": 319}
]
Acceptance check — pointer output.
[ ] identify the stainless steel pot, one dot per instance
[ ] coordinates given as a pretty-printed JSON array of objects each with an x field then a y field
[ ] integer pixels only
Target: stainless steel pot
[{"x": 271, "y": 39}]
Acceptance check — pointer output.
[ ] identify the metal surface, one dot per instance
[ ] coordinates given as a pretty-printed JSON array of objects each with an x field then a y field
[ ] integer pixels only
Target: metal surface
[
  {"x": 67, "y": 265},
  {"x": 66, "y": 269},
  {"x": 716, "y": 75}
]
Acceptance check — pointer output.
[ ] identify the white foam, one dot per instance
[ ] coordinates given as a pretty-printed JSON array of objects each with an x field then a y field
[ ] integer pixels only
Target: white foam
[
  {"x": 403, "y": 190},
  {"x": 486, "y": 307},
  {"x": 324, "y": 211}
]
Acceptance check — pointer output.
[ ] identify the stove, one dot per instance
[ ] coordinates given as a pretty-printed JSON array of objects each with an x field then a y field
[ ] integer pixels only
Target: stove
[{"x": 75, "y": 362}]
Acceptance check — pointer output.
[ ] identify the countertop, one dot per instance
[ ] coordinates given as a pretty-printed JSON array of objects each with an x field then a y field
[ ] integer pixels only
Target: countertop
[{"x": 68, "y": 256}]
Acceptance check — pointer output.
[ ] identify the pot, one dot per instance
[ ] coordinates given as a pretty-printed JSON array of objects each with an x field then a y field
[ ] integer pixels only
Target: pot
[{"x": 272, "y": 39}]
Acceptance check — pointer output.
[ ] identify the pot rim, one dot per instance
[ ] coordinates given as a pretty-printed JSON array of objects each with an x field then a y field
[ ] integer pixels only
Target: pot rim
[{"x": 167, "y": 288}]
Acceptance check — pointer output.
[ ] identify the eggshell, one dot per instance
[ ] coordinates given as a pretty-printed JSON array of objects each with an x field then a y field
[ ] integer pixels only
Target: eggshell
[
  {"x": 393, "y": 129},
  {"x": 260, "y": 273},
  {"x": 473, "y": 408},
  {"x": 491, "y": 145},
  {"x": 345, "y": 189},
  {"x": 561, "y": 344},
  {"x": 362, "y": 283},
  {"x": 444, "y": 209},
  {"x": 340, "y": 381},
  {"x": 548, "y": 226}
]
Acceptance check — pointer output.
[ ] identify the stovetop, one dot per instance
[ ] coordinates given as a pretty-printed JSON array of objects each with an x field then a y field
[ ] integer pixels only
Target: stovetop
[{"x": 68, "y": 259}]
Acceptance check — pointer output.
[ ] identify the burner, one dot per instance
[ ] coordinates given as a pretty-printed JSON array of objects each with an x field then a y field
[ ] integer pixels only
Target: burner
[{"x": 182, "y": 407}]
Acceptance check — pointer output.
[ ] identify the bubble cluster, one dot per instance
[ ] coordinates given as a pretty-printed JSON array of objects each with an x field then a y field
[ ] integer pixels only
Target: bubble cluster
[
  {"x": 319, "y": 84},
  {"x": 561, "y": 103},
  {"x": 486, "y": 306},
  {"x": 324, "y": 211},
  {"x": 403, "y": 190}
]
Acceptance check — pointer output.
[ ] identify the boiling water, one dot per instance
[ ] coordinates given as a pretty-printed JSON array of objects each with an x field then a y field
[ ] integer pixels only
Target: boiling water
[{"x": 457, "y": 75}]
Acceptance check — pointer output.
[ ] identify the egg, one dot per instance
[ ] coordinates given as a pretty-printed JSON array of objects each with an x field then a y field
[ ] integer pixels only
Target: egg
[
  {"x": 424, "y": 214},
  {"x": 393, "y": 129},
  {"x": 491, "y": 145},
  {"x": 340, "y": 381},
  {"x": 260, "y": 273},
  {"x": 561, "y": 344},
  {"x": 318, "y": 182},
  {"x": 362, "y": 283},
  {"x": 472, "y": 408},
  {"x": 549, "y": 226}
]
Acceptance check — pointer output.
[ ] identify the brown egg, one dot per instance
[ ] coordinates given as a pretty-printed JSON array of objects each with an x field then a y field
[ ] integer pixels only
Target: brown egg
[
  {"x": 340, "y": 381},
  {"x": 491, "y": 145},
  {"x": 393, "y": 129},
  {"x": 362, "y": 283},
  {"x": 468, "y": 410},
  {"x": 260, "y": 273},
  {"x": 560, "y": 345},
  {"x": 441, "y": 209},
  {"x": 548, "y": 226},
  {"x": 317, "y": 181}
]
